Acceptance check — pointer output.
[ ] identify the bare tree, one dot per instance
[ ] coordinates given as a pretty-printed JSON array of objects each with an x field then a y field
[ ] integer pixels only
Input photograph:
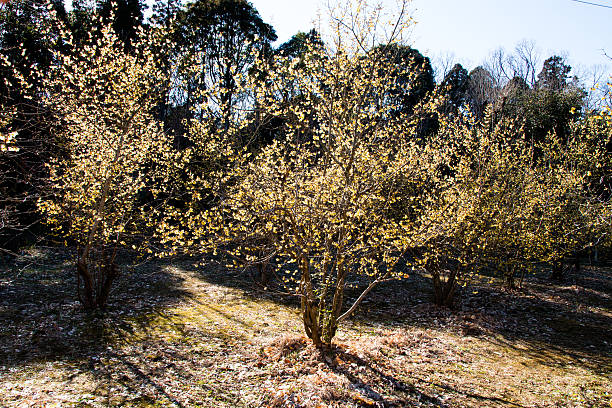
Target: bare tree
[
  {"x": 526, "y": 60},
  {"x": 442, "y": 64},
  {"x": 594, "y": 80},
  {"x": 497, "y": 67},
  {"x": 522, "y": 63}
]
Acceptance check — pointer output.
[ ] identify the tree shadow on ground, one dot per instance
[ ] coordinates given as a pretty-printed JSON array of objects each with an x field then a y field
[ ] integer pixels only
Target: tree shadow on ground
[
  {"x": 154, "y": 374},
  {"x": 366, "y": 378},
  {"x": 248, "y": 281},
  {"x": 42, "y": 320},
  {"x": 39, "y": 322},
  {"x": 549, "y": 319},
  {"x": 571, "y": 318}
]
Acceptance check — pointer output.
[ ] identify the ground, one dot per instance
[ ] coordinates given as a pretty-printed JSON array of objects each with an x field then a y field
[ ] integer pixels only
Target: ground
[{"x": 181, "y": 334}]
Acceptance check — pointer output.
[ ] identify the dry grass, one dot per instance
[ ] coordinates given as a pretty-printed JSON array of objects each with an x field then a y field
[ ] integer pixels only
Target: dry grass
[{"x": 183, "y": 336}]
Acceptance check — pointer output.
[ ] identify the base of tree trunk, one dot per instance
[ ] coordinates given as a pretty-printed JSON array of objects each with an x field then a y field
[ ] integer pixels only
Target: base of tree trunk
[
  {"x": 557, "y": 272},
  {"x": 444, "y": 291},
  {"x": 95, "y": 291},
  {"x": 510, "y": 282},
  {"x": 264, "y": 272}
]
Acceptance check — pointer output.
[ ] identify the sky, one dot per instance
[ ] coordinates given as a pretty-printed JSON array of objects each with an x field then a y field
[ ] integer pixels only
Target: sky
[{"x": 471, "y": 29}]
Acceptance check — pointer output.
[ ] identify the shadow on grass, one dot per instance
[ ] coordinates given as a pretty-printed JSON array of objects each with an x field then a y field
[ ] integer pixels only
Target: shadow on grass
[
  {"x": 365, "y": 378},
  {"x": 549, "y": 319},
  {"x": 135, "y": 382},
  {"x": 41, "y": 319},
  {"x": 160, "y": 360},
  {"x": 248, "y": 281},
  {"x": 569, "y": 321}
]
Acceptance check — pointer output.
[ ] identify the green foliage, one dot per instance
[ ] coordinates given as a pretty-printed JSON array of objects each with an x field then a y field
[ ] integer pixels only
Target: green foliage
[
  {"x": 300, "y": 43},
  {"x": 411, "y": 72},
  {"x": 554, "y": 74},
  {"x": 454, "y": 86},
  {"x": 548, "y": 107},
  {"x": 124, "y": 16},
  {"x": 219, "y": 41},
  {"x": 27, "y": 44}
]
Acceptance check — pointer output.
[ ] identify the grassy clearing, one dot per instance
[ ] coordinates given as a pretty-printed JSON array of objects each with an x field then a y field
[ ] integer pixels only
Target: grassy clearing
[{"x": 186, "y": 336}]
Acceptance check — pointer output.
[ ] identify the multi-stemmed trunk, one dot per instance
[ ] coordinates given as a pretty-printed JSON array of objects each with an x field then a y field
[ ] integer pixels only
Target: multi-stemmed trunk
[
  {"x": 322, "y": 308},
  {"x": 509, "y": 277},
  {"x": 320, "y": 324},
  {"x": 321, "y": 319},
  {"x": 444, "y": 289},
  {"x": 95, "y": 278}
]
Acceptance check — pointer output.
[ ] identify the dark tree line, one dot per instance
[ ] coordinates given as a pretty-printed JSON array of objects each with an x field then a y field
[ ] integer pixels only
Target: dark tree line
[{"x": 549, "y": 105}]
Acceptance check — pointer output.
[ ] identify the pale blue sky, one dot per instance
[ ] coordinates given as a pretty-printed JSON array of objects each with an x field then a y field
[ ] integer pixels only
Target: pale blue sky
[{"x": 472, "y": 29}]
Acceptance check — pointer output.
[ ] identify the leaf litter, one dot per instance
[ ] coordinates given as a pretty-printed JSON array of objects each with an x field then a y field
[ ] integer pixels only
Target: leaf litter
[{"x": 178, "y": 334}]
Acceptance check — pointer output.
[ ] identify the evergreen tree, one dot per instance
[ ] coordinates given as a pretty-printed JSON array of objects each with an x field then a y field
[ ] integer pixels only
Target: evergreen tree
[
  {"x": 554, "y": 75},
  {"x": 126, "y": 16},
  {"x": 454, "y": 86},
  {"x": 219, "y": 40}
]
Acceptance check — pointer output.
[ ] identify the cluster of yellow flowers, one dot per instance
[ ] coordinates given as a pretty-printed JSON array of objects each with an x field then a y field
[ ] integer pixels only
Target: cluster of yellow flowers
[
  {"x": 7, "y": 142},
  {"x": 351, "y": 185}
]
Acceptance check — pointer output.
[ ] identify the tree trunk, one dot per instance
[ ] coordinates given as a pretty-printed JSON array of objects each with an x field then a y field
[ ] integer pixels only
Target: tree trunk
[
  {"x": 264, "y": 272},
  {"x": 577, "y": 265},
  {"x": 557, "y": 272},
  {"x": 111, "y": 271},
  {"x": 310, "y": 314},
  {"x": 96, "y": 286},
  {"x": 509, "y": 277},
  {"x": 444, "y": 290},
  {"x": 310, "y": 310},
  {"x": 330, "y": 322},
  {"x": 86, "y": 296}
]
